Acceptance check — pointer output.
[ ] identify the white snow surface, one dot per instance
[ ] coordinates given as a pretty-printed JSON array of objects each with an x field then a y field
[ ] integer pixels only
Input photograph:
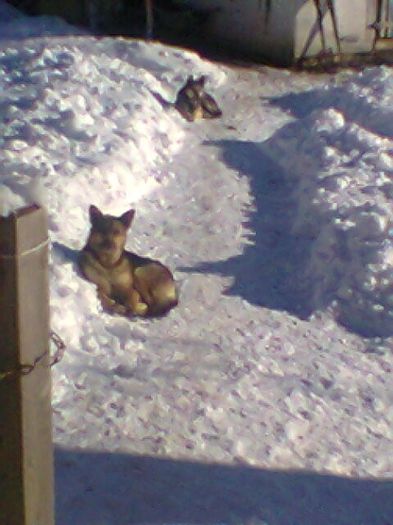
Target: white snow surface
[{"x": 258, "y": 399}]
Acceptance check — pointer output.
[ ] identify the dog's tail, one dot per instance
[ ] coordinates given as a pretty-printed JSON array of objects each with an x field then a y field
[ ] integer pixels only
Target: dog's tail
[
  {"x": 162, "y": 309},
  {"x": 156, "y": 285},
  {"x": 164, "y": 103}
]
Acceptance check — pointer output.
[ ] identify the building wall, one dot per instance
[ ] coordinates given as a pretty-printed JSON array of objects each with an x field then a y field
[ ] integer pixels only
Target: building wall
[
  {"x": 291, "y": 30},
  {"x": 389, "y": 18},
  {"x": 244, "y": 25},
  {"x": 353, "y": 20}
]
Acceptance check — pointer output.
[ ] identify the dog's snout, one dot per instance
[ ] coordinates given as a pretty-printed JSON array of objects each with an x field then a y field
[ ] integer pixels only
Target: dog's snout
[{"x": 108, "y": 244}]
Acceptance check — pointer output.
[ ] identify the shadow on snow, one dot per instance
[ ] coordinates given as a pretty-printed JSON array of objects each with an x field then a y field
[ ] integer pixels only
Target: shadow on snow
[
  {"x": 269, "y": 272},
  {"x": 94, "y": 487},
  {"x": 354, "y": 107},
  {"x": 275, "y": 272}
]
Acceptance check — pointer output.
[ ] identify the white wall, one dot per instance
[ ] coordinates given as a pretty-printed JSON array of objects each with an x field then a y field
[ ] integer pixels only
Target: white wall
[
  {"x": 353, "y": 17},
  {"x": 241, "y": 23}
]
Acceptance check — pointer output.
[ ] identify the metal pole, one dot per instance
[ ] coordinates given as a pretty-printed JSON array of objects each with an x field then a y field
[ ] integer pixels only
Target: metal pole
[
  {"x": 320, "y": 24},
  {"x": 149, "y": 19},
  {"x": 332, "y": 10}
]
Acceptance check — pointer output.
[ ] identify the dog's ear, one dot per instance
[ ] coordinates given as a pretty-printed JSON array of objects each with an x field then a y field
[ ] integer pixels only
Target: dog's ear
[
  {"x": 202, "y": 80},
  {"x": 127, "y": 218},
  {"x": 190, "y": 79},
  {"x": 94, "y": 213}
]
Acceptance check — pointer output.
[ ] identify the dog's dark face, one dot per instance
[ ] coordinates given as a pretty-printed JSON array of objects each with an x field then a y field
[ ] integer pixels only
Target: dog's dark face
[
  {"x": 196, "y": 85},
  {"x": 108, "y": 235}
]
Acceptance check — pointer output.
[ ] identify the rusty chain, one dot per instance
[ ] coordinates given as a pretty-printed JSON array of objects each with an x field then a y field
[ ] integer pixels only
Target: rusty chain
[{"x": 25, "y": 369}]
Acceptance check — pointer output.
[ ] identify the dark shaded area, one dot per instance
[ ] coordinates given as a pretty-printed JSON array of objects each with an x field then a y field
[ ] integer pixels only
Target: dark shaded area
[
  {"x": 175, "y": 23},
  {"x": 29, "y": 7},
  {"x": 181, "y": 24},
  {"x": 172, "y": 19},
  {"x": 120, "y": 489}
]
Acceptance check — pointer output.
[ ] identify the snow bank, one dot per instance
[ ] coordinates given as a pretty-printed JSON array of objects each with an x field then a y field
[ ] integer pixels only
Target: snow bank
[
  {"x": 76, "y": 118},
  {"x": 227, "y": 376},
  {"x": 81, "y": 125},
  {"x": 341, "y": 160}
]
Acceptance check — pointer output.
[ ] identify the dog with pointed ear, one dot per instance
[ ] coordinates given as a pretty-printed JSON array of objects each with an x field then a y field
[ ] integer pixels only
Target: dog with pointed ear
[
  {"x": 108, "y": 235},
  {"x": 193, "y": 102},
  {"x": 96, "y": 215},
  {"x": 126, "y": 283}
]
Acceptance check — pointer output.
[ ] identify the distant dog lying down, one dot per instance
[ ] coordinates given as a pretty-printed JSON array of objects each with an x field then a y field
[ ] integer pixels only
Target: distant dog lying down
[
  {"x": 193, "y": 102},
  {"x": 126, "y": 283}
]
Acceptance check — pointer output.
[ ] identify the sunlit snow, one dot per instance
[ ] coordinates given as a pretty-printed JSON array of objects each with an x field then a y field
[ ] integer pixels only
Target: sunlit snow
[{"x": 259, "y": 399}]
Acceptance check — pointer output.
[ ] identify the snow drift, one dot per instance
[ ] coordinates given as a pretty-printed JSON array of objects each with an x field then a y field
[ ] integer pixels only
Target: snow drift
[
  {"x": 340, "y": 163},
  {"x": 237, "y": 373}
]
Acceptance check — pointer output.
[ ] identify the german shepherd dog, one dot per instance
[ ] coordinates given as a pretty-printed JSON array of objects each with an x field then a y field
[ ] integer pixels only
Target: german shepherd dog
[
  {"x": 193, "y": 102},
  {"x": 126, "y": 283}
]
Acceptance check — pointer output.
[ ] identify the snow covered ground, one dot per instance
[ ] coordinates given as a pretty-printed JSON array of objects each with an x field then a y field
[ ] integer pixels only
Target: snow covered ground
[{"x": 259, "y": 399}]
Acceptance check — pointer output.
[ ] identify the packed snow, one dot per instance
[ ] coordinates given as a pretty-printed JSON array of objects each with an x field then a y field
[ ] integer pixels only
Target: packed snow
[{"x": 266, "y": 396}]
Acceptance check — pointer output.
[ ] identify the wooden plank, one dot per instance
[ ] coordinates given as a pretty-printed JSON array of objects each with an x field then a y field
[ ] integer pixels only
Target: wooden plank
[{"x": 26, "y": 453}]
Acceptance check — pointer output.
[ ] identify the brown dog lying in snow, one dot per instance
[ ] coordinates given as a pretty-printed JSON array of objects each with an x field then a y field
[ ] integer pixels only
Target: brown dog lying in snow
[
  {"x": 126, "y": 283},
  {"x": 194, "y": 103}
]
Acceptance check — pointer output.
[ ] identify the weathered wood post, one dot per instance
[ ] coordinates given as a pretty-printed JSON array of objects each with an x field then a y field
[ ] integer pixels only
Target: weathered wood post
[{"x": 26, "y": 456}]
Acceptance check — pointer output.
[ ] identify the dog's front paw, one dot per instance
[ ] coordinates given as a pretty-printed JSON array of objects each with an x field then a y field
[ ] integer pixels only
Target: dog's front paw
[
  {"x": 140, "y": 309},
  {"x": 119, "y": 309},
  {"x": 110, "y": 305}
]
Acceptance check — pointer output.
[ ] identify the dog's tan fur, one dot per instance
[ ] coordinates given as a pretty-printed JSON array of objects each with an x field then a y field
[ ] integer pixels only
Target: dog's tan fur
[
  {"x": 194, "y": 103},
  {"x": 126, "y": 283}
]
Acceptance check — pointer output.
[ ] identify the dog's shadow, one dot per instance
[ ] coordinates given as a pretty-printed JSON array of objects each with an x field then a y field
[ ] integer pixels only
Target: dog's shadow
[
  {"x": 66, "y": 254},
  {"x": 161, "y": 100}
]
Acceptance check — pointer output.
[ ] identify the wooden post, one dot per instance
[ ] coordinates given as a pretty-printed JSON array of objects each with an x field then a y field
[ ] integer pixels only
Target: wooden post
[{"x": 26, "y": 455}]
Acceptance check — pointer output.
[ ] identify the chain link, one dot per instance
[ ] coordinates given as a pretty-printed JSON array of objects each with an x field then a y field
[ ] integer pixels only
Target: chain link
[
  {"x": 60, "y": 348},
  {"x": 25, "y": 369}
]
